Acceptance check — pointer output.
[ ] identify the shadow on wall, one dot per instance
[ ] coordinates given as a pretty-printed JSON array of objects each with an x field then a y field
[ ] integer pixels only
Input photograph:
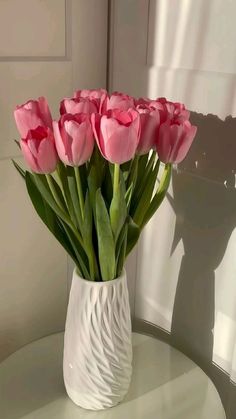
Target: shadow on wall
[{"x": 205, "y": 206}]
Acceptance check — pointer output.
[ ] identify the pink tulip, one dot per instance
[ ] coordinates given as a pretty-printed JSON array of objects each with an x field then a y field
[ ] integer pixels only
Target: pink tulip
[
  {"x": 161, "y": 108},
  {"x": 91, "y": 94},
  {"x": 39, "y": 150},
  {"x": 174, "y": 140},
  {"x": 119, "y": 101},
  {"x": 166, "y": 109},
  {"x": 32, "y": 114},
  {"x": 74, "y": 138},
  {"x": 97, "y": 96},
  {"x": 117, "y": 134},
  {"x": 150, "y": 121},
  {"x": 78, "y": 105},
  {"x": 143, "y": 101},
  {"x": 171, "y": 110}
]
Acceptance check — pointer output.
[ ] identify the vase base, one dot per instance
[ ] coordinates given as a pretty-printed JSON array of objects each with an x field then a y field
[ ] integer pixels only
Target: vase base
[{"x": 93, "y": 403}]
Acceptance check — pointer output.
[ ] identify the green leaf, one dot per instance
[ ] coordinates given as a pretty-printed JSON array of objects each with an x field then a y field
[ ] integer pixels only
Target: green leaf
[
  {"x": 87, "y": 230},
  {"x": 19, "y": 169},
  {"x": 58, "y": 192},
  {"x": 82, "y": 260},
  {"x": 119, "y": 244},
  {"x": 107, "y": 186},
  {"x": 47, "y": 215},
  {"x": 93, "y": 184},
  {"x": 96, "y": 172},
  {"x": 88, "y": 220},
  {"x": 83, "y": 177},
  {"x": 142, "y": 163},
  {"x": 133, "y": 174},
  {"x": 125, "y": 167},
  {"x": 106, "y": 245},
  {"x": 99, "y": 164},
  {"x": 146, "y": 197},
  {"x": 122, "y": 254},
  {"x": 128, "y": 195},
  {"x": 145, "y": 167},
  {"x": 73, "y": 199},
  {"x": 43, "y": 188},
  {"x": 118, "y": 210},
  {"x": 159, "y": 196},
  {"x": 59, "y": 229},
  {"x": 45, "y": 191},
  {"x": 63, "y": 173},
  {"x": 133, "y": 235}
]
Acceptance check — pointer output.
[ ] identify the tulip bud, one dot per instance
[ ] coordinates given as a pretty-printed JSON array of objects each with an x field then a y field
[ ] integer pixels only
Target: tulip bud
[
  {"x": 150, "y": 121},
  {"x": 78, "y": 105},
  {"x": 119, "y": 101},
  {"x": 32, "y": 114},
  {"x": 39, "y": 150},
  {"x": 97, "y": 96},
  {"x": 117, "y": 134},
  {"x": 74, "y": 138},
  {"x": 174, "y": 140}
]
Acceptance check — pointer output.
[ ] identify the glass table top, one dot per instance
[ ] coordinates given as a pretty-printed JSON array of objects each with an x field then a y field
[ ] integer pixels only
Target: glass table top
[{"x": 165, "y": 385}]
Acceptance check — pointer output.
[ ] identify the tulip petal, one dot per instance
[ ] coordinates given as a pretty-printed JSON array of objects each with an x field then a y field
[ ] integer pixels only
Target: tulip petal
[
  {"x": 47, "y": 156},
  {"x": 149, "y": 131},
  {"x": 26, "y": 120},
  {"x": 83, "y": 142},
  {"x": 96, "y": 123},
  {"x": 29, "y": 158},
  {"x": 32, "y": 146},
  {"x": 77, "y": 133},
  {"x": 120, "y": 101},
  {"x": 108, "y": 127},
  {"x": 185, "y": 143},
  {"x": 59, "y": 144},
  {"x": 163, "y": 142},
  {"x": 74, "y": 106},
  {"x": 174, "y": 141},
  {"x": 121, "y": 145},
  {"x": 176, "y": 134},
  {"x": 45, "y": 111},
  {"x": 91, "y": 93}
]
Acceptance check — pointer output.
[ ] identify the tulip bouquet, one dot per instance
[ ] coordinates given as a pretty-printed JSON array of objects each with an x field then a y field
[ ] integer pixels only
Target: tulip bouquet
[{"x": 92, "y": 177}]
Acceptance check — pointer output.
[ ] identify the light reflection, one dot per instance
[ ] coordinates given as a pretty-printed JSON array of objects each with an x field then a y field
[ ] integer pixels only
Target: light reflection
[{"x": 224, "y": 351}]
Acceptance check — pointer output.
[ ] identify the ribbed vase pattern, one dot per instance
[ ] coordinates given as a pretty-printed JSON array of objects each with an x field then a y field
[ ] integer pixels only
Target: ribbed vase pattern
[{"x": 97, "y": 345}]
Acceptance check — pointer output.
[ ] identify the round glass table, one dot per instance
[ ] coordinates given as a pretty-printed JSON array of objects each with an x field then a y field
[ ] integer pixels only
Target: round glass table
[{"x": 165, "y": 385}]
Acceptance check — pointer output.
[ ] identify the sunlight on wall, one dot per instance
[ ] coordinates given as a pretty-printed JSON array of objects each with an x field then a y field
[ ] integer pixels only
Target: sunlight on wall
[
  {"x": 224, "y": 350},
  {"x": 224, "y": 344},
  {"x": 157, "y": 271},
  {"x": 191, "y": 53}
]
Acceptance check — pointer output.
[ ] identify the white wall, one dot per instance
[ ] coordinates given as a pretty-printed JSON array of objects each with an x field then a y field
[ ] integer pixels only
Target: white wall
[
  {"x": 186, "y": 275},
  {"x": 47, "y": 48}
]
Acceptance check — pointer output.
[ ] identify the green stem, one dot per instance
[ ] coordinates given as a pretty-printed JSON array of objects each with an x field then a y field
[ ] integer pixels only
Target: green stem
[
  {"x": 79, "y": 189},
  {"x": 53, "y": 191},
  {"x": 116, "y": 178}
]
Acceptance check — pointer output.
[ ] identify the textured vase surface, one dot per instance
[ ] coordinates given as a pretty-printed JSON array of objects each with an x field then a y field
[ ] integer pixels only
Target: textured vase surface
[{"x": 97, "y": 362}]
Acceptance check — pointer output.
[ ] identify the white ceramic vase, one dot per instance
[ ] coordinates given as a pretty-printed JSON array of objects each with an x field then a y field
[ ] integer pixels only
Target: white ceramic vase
[{"x": 97, "y": 363}]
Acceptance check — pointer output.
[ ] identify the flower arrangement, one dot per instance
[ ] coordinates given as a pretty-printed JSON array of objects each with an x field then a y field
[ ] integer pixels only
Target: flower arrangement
[{"x": 92, "y": 177}]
